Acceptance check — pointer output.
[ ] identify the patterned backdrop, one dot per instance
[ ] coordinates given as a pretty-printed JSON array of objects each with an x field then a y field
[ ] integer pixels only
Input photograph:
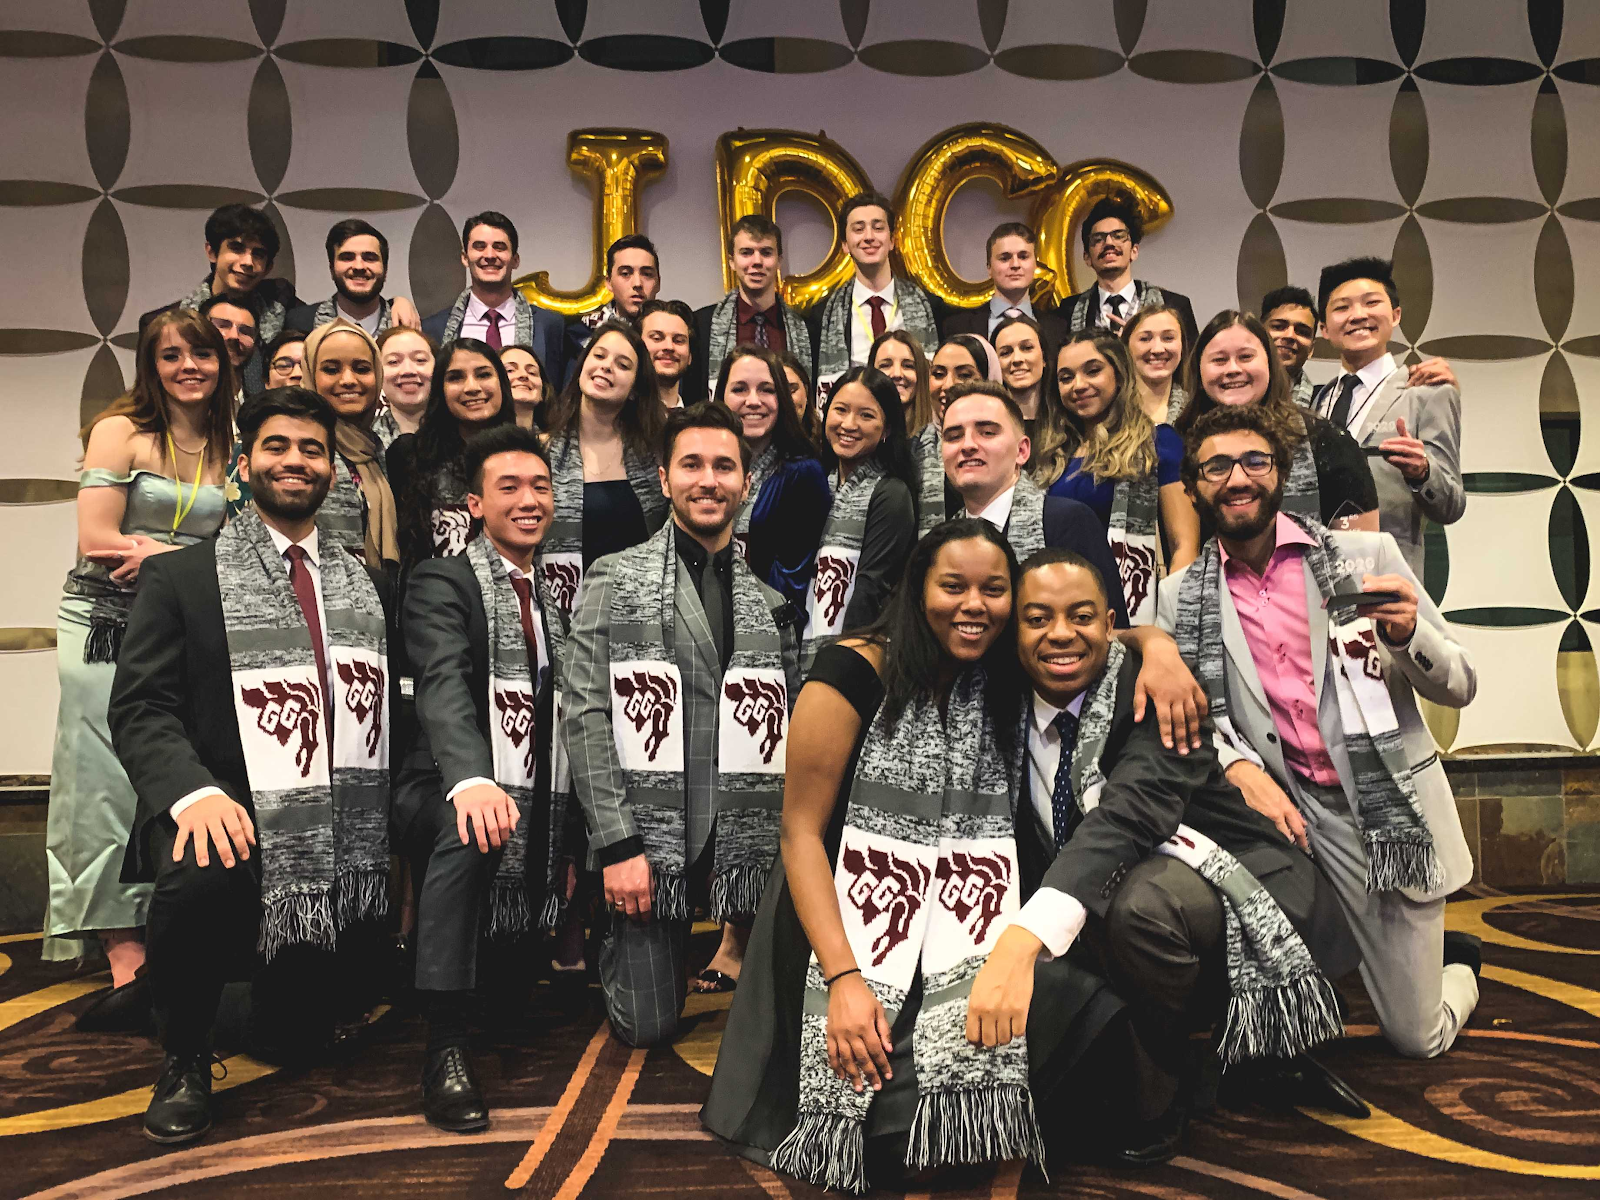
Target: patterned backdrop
[{"x": 1289, "y": 134}]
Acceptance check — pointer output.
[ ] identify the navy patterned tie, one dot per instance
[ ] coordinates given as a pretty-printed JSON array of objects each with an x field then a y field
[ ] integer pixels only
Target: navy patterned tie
[{"x": 1064, "y": 814}]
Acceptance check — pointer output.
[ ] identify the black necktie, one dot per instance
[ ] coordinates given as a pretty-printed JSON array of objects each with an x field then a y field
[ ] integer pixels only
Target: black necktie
[
  {"x": 1064, "y": 813},
  {"x": 1340, "y": 415},
  {"x": 1116, "y": 303},
  {"x": 715, "y": 604}
]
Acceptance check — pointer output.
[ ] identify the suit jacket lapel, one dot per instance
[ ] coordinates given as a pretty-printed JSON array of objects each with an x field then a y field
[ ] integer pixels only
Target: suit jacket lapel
[
  {"x": 1317, "y": 622},
  {"x": 1388, "y": 393},
  {"x": 1233, "y": 640},
  {"x": 692, "y": 614}
]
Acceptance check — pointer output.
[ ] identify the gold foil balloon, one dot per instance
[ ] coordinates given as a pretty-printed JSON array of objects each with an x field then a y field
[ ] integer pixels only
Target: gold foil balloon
[
  {"x": 955, "y": 157},
  {"x": 619, "y": 162},
  {"x": 1057, "y": 213},
  {"x": 756, "y": 166}
]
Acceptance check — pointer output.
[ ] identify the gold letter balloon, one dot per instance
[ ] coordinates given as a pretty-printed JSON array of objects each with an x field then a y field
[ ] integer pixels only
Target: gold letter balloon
[
  {"x": 1076, "y": 188},
  {"x": 619, "y": 162}
]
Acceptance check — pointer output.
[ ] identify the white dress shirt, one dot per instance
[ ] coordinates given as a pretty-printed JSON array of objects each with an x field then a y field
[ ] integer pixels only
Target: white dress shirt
[
  {"x": 314, "y": 569},
  {"x": 1130, "y": 298},
  {"x": 1368, "y": 380},
  {"x": 475, "y": 321},
  {"x": 861, "y": 337},
  {"x": 515, "y": 572},
  {"x": 998, "y": 511},
  {"x": 368, "y": 322},
  {"x": 1052, "y": 916}
]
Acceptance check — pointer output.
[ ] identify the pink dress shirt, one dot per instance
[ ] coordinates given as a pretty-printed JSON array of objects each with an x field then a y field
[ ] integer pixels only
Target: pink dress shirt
[{"x": 1272, "y": 612}]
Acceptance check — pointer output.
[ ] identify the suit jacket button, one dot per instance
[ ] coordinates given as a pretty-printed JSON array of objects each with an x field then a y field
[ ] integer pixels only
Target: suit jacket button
[
  {"x": 1425, "y": 662},
  {"x": 1273, "y": 738}
]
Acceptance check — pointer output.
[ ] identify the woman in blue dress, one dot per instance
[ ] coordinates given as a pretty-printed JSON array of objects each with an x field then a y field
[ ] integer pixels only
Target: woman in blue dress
[
  {"x": 153, "y": 468},
  {"x": 1121, "y": 464}
]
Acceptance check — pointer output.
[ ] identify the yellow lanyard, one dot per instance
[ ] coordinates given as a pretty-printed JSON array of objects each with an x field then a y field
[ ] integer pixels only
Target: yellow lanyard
[{"x": 183, "y": 510}]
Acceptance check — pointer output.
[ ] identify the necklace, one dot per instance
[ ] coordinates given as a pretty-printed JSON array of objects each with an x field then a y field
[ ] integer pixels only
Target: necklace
[
  {"x": 183, "y": 510},
  {"x": 172, "y": 441}
]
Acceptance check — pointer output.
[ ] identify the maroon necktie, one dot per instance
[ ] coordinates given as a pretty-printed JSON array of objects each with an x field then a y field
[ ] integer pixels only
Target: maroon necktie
[
  {"x": 876, "y": 303},
  {"x": 760, "y": 320},
  {"x": 524, "y": 591},
  {"x": 491, "y": 333},
  {"x": 306, "y": 593}
]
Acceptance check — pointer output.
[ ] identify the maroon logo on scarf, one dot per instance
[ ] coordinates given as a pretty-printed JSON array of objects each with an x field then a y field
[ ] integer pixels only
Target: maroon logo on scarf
[
  {"x": 1183, "y": 841},
  {"x": 649, "y": 700},
  {"x": 451, "y": 525},
  {"x": 885, "y": 883},
  {"x": 758, "y": 705},
  {"x": 1364, "y": 647},
  {"x": 974, "y": 884},
  {"x": 834, "y": 576},
  {"x": 562, "y": 578},
  {"x": 363, "y": 695},
  {"x": 287, "y": 709},
  {"x": 1137, "y": 566},
  {"x": 516, "y": 721}
]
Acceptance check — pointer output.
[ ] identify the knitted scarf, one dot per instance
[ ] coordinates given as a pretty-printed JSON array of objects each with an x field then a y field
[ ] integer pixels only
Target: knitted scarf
[
  {"x": 1398, "y": 843},
  {"x": 522, "y": 324},
  {"x": 1025, "y": 527},
  {"x": 838, "y": 557},
  {"x": 1304, "y": 390},
  {"x": 1145, "y": 295},
  {"x": 1135, "y": 539},
  {"x": 513, "y": 742},
  {"x": 927, "y": 881},
  {"x": 647, "y": 721},
  {"x": 561, "y": 560},
  {"x": 449, "y": 520},
  {"x": 358, "y": 513},
  {"x": 834, "y": 345},
  {"x": 1280, "y": 1004},
  {"x": 761, "y": 469},
  {"x": 272, "y": 312},
  {"x": 725, "y": 332},
  {"x": 329, "y": 309},
  {"x": 929, "y": 459},
  {"x": 321, "y": 817},
  {"x": 1177, "y": 401},
  {"x": 1302, "y": 496}
]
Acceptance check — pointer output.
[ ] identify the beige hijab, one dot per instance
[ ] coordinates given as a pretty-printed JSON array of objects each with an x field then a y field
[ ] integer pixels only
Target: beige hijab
[{"x": 360, "y": 448}]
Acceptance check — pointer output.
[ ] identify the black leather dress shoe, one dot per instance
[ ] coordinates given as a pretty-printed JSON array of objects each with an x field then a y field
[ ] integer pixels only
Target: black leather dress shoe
[
  {"x": 1151, "y": 1143},
  {"x": 451, "y": 1098},
  {"x": 180, "y": 1109},
  {"x": 1303, "y": 1080},
  {"x": 1464, "y": 948},
  {"x": 124, "y": 1009}
]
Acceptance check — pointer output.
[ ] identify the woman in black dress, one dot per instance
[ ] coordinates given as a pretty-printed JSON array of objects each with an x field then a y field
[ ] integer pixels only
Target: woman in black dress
[{"x": 947, "y": 636}]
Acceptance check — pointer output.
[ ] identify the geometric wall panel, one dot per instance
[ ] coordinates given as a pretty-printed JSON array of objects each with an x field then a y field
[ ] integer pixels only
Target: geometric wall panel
[
  {"x": 1500, "y": 554},
  {"x": 1516, "y": 701}
]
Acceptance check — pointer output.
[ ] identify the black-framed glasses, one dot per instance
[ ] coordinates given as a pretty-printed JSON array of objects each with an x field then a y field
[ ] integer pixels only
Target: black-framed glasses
[
  {"x": 1256, "y": 463},
  {"x": 1119, "y": 236},
  {"x": 284, "y": 365}
]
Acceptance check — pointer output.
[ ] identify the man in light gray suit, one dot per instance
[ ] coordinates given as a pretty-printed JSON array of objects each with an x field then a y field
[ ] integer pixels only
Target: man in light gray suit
[
  {"x": 1344, "y": 768},
  {"x": 1411, "y": 434},
  {"x": 681, "y": 811}
]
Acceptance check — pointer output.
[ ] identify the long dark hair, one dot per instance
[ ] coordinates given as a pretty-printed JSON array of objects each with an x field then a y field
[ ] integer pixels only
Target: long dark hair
[
  {"x": 642, "y": 417},
  {"x": 913, "y": 656},
  {"x": 438, "y": 445},
  {"x": 894, "y": 449},
  {"x": 787, "y": 434}
]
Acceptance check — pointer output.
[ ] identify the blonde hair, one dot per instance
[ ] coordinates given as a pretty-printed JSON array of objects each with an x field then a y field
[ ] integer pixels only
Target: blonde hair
[{"x": 1123, "y": 444}]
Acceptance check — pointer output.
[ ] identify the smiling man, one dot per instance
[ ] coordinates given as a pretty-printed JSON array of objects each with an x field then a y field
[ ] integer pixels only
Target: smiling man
[
  {"x": 1290, "y": 316},
  {"x": 358, "y": 260},
  {"x": 1111, "y": 233},
  {"x": 753, "y": 313},
  {"x": 1011, "y": 252},
  {"x": 681, "y": 670},
  {"x": 633, "y": 273},
  {"x": 667, "y": 327},
  {"x": 472, "y": 804}
]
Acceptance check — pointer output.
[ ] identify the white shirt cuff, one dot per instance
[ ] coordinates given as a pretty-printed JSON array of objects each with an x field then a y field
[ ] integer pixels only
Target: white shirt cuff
[
  {"x": 474, "y": 781},
  {"x": 184, "y": 802},
  {"x": 1055, "y": 918}
]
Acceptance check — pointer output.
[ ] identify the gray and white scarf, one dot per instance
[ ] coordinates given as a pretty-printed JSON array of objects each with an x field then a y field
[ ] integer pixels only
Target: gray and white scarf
[
  {"x": 1398, "y": 843},
  {"x": 927, "y": 879},
  {"x": 725, "y": 332},
  {"x": 928, "y": 454},
  {"x": 839, "y": 557},
  {"x": 561, "y": 560},
  {"x": 272, "y": 314},
  {"x": 761, "y": 469},
  {"x": 1280, "y": 1004},
  {"x": 342, "y": 519},
  {"x": 329, "y": 309},
  {"x": 1134, "y": 534},
  {"x": 647, "y": 723},
  {"x": 514, "y": 739},
  {"x": 1145, "y": 295},
  {"x": 522, "y": 323},
  {"x": 838, "y": 329},
  {"x": 1302, "y": 494},
  {"x": 1177, "y": 401},
  {"x": 1304, "y": 391},
  {"x": 1025, "y": 526},
  {"x": 321, "y": 815},
  {"x": 450, "y": 524}
]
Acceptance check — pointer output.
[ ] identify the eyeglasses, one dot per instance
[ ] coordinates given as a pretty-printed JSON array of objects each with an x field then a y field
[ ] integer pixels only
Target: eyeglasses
[
  {"x": 1256, "y": 463},
  {"x": 1117, "y": 237},
  {"x": 284, "y": 365}
]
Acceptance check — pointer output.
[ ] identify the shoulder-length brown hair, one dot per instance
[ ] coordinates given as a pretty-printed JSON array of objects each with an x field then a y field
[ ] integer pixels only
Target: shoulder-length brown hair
[
  {"x": 147, "y": 404},
  {"x": 1278, "y": 404},
  {"x": 921, "y": 395},
  {"x": 642, "y": 418}
]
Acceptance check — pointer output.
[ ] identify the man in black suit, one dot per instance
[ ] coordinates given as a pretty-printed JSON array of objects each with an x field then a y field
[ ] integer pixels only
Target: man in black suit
[
  {"x": 1011, "y": 253},
  {"x": 358, "y": 260},
  {"x": 754, "y": 312},
  {"x": 174, "y": 725},
  {"x": 451, "y": 818},
  {"x": 1097, "y": 887},
  {"x": 1111, "y": 235},
  {"x": 633, "y": 272}
]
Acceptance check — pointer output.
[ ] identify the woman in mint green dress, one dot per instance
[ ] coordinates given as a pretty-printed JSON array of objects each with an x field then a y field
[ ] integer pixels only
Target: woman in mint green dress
[{"x": 153, "y": 470}]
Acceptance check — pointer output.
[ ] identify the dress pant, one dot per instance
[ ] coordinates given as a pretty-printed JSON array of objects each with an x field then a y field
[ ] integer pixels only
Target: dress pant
[{"x": 1421, "y": 1003}]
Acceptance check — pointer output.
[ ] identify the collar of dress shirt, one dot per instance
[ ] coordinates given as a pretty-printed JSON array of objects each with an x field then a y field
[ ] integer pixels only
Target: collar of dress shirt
[
  {"x": 513, "y": 569},
  {"x": 695, "y": 556},
  {"x": 863, "y": 293},
  {"x": 1289, "y": 534},
  {"x": 998, "y": 511},
  {"x": 1128, "y": 293},
  {"x": 1044, "y": 712},
  {"x": 745, "y": 312},
  {"x": 309, "y": 542},
  {"x": 998, "y": 305},
  {"x": 477, "y": 308},
  {"x": 1375, "y": 372}
]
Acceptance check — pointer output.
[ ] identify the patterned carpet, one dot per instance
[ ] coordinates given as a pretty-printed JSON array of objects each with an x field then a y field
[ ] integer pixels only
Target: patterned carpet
[{"x": 1512, "y": 1111}]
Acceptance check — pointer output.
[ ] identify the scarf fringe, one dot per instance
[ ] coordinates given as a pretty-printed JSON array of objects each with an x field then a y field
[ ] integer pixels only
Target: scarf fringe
[
  {"x": 737, "y": 891},
  {"x": 827, "y": 1149},
  {"x": 975, "y": 1125},
  {"x": 1394, "y": 863},
  {"x": 510, "y": 914},
  {"x": 361, "y": 895},
  {"x": 1280, "y": 1021},
  {"x": 671, "y": 901},
  {"x": 104, "y": 642},
  {"x": 555, "y": 908},
  {"x": 294, "y": 919}
]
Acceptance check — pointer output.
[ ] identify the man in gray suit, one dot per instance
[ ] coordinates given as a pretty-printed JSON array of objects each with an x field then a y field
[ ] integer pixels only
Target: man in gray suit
[
  {"x": 1411, "y": 435},
  {"x": 672, "y": 832},
  {"x": 1282, "y": 699}
]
